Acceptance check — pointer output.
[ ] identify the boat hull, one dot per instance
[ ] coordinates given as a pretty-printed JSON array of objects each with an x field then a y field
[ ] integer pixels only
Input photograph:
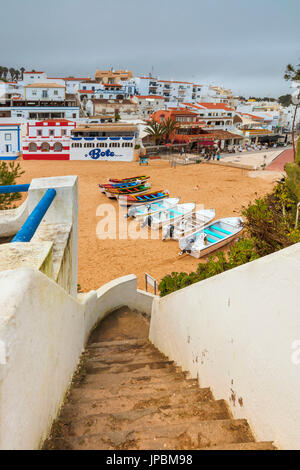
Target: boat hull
[
  {"x": 131, "y": 200},
  {"x": 211, "y": 237},
  {"x": 145, "y": 210},
  {"x": 173, "y": 214},
  {"x": 188, "y": 224},
  {"x": 115, "y": 193}
]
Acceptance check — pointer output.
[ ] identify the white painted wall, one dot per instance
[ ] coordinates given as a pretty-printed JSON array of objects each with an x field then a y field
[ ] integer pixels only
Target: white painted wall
[
  {"x": 9, "y": 140},
  {"x": 43, "y": 331},
  {"x": 36, "y": 93},
  {"x": 235, "y": 332},
  {"x": 107, "y": 150}
]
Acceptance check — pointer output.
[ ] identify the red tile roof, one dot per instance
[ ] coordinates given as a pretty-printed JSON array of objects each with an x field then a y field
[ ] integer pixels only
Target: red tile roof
[
  {"x": 252, "y": 116},
  {"x": 215, "y": 106},
  {"x": 145, "y": 97},
  {"x": 86, "y": 91},
  {"x": 10, "y": 124}
]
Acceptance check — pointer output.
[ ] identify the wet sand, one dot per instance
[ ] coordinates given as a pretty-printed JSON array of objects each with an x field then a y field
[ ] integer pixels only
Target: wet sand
[{"x": 223, "y": 188}]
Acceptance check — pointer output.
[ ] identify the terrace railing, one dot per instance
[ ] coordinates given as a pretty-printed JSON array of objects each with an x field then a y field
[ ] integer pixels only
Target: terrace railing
[{"x": 30, "y": 226}]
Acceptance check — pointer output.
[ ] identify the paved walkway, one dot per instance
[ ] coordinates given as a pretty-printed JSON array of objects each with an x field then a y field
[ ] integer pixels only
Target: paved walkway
[
  {"x": 281, "y": 160},
  {"x": 256, "y": 159}
]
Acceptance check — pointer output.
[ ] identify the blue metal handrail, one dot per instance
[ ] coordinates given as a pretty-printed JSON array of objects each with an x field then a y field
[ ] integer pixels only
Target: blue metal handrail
[
  {"x": 29, "y": 227},
  {"x": 14, "y": 188}
]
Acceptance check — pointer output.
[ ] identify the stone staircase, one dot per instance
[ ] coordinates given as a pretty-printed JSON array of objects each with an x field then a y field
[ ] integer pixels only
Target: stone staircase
[{"x": 126, "y": 395}]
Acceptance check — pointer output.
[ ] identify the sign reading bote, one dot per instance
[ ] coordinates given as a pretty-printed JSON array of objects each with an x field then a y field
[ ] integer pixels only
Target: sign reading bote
[{"x": 99, "y": 154}]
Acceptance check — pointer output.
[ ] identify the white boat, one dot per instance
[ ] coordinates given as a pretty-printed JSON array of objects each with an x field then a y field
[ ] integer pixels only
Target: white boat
[
  {"x": 211, "y": 237},
  {"x": 143, "y": 210},
  {"x": 162, "y": 218},
  {"x": 188, "y": 224}
]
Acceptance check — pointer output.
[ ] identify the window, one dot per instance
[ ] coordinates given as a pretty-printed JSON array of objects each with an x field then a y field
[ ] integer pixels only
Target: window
[
  {"x": 33, "y": 92},
  {"x": 64, "y": 132},
  {"x": 7, "y": 136},
  {"x": 51, "y": 133},
  {"x": 57, "y": 147},
  {"x": 32, "y": 147},
  {"x": 39, "y": 132},
  {"x": 44, "y": 93},
  {"x": 45, "y": 147},
  {"x": 55, "y": 92}
]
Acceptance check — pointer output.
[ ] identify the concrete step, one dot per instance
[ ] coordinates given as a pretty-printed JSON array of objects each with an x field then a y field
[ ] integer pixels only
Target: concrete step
[
  {"x": 144, "y": 418},
  {"x": 79, "y": 403},
  {"x": 97, "y": 367},
  {"x": 98, "y": 390},
  {"x": 116, "y": 357},
  {"x": 244, "y": 446},
  {"x": 123, "y": 344},
  {"x": 187, "y": 436},
  {"x": 136, "y": 377}
]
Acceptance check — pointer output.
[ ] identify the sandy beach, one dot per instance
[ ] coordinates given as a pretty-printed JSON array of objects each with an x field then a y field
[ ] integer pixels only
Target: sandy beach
[{"x": 223, "y": 188}]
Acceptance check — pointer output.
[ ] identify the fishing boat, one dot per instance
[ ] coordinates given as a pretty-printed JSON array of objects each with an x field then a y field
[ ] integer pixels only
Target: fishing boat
[
  {"x": 115, "y": 192},
  {"x": 211, "y": 237},
  {"x": 187, "y": 224},
  {"x": 141, "y": 199},
  {"x": 164, "y": 217},
  {"x": 129, "y": 180},
  {"x": 149, "y": 209},
  {"x": 106, "y": 186}
]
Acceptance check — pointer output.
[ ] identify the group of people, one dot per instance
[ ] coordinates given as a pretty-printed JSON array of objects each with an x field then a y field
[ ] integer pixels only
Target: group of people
[{"x": 250, "y": 147}]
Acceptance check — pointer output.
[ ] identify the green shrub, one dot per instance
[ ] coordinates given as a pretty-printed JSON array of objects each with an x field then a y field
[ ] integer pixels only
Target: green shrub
[
  {"x": 269, "y": 223},
  {"x": 9, "y": 172},
  {"x": 242, "y": 251}
]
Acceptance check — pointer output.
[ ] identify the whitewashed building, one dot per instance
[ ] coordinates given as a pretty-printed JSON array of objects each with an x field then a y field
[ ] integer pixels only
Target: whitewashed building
[
  {"x": 48, "y": 140},
  {"x": 10, "y": 144},
  {"x": 44, "y": 92},
  {"x": 100, "y": 142},
  {"x": 172, "y": 91},
  {"x": 215, "y": 115}
]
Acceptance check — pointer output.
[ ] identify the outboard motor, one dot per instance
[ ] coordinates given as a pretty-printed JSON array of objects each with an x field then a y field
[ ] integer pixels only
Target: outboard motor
[
  {"x": 168, "y": 232},
  {"x": 188, "y": 245},
  {"x": 147, "y": 221}
]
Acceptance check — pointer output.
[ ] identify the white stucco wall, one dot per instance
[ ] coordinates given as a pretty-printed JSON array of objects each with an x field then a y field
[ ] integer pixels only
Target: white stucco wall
[
  {"x": 43, "y": 331},
  {"x": 236, "y": 332},
  {"x": 52, "y": 94},
  {"x": 102, "y": 150}
]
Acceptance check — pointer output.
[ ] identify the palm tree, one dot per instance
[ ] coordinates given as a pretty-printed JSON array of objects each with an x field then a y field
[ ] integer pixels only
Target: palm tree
[
  {"x": 22, "y": 72},
  {"x": 12, "y": 73},
  {"x": 292, "y": 73},
  {"x": 156, "y": 131},
  {"x": 169, "y": 127},
  {"x": 5, "y": 72},
  {"x": 17, "y": 74},
  {"x": 1, "y": 71}
]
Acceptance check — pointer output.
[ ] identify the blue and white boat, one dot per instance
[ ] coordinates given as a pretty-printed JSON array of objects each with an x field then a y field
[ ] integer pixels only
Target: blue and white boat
[
  {"x": 140, "y": 211},
  {"x": 159, "y": 219},
  {"x": 211, "y": 237},
  {"x": 187, "y": 224}
]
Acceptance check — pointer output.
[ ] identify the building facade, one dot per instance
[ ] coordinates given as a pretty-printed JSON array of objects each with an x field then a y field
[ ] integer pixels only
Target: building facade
[
  {"x": 103, "y": 142},
  {"x": 48, "y": 140},
  {"x": 10, "y": 143}
]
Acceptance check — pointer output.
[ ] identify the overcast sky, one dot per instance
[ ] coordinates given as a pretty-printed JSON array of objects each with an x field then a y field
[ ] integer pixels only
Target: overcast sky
[{"x": 240, "y": 44}]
